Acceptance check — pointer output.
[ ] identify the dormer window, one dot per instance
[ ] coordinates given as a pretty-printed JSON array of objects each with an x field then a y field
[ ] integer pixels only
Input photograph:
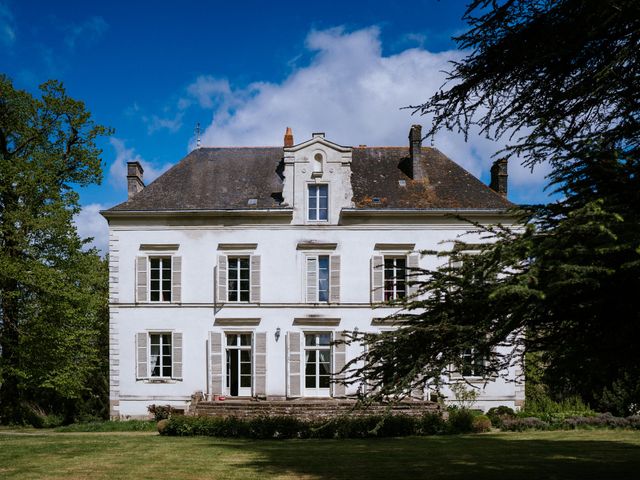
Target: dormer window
[{"x": 318, "y": 202}]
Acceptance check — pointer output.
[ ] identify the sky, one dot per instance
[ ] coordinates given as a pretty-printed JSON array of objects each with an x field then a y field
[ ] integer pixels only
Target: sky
[{"x": 244, "y": 71}]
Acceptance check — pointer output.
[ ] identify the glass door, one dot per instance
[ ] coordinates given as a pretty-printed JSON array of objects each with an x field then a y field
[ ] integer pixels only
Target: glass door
[
  {"x": 239, "y": 364},
  {"x": 317, "y": 364}
]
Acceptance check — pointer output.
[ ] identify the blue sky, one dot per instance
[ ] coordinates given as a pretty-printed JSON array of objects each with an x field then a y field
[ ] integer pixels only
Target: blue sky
[{"x": 245, "y": 71}]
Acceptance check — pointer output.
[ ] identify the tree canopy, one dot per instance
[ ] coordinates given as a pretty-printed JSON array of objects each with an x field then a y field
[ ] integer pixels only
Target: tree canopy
[
  {"x": 52, "y": 291},
  {"x": 558, "y": 80}
]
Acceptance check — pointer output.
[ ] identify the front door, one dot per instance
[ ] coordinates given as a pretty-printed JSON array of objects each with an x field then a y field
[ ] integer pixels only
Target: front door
[
  {"x": 239, "y": 365},
  {"x": 317, "y": 364}
]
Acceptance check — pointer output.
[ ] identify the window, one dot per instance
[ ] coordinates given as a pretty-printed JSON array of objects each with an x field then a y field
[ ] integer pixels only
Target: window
[
  {"x": 395, "y": 285},
  {"x": 160, "y": 355},
  {"x": 318, "y": 284},
  {"x": 473, "y": 363},
  {"x": 317, "y": 363},
  {"x": 318, "y": 202},
  {"x": 160, "y": 285},
  {"x": 238, "y": 279}
]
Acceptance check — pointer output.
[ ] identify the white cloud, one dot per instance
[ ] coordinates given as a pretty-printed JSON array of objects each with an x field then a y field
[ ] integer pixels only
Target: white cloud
[
  {"x": 155, "y": 123},
  {"x": 7, "y": 26},
  {"x": 351, "y": 91},
  {"x": 118, "y": 169},
  {"x": 90, "y": 223},
  {"x": 88, "y": 31}
]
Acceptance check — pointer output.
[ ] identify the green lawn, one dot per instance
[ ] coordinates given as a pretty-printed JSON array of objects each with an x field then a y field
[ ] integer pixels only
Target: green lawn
[{"x": 139, "y": 455}]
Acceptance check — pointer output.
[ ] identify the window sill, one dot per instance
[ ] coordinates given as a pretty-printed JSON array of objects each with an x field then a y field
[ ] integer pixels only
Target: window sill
[{"x": 159, "y": 380}]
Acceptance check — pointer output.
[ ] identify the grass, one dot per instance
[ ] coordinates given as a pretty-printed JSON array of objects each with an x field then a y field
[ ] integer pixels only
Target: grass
[{"x": 607, "y": 454}]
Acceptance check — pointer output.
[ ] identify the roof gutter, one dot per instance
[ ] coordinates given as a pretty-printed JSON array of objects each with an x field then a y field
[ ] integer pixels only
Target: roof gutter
[
  {"x": 255, "y": 212},
  {"x": 421, "y": 212}
]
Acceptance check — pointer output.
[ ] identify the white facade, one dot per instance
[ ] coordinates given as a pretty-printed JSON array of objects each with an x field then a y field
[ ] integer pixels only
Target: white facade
[{"x": 284, "y": 303}]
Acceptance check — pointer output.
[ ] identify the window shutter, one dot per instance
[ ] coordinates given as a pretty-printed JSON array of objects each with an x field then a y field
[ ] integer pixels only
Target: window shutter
[
  {"x": 255, "y": 279},
  {"x": 215, "y": 345},
  {"x": 141, "y": 355},
  {"x": 339, "y": 361},
  {"x": 293, "y": 346},
  {"x": 141, "y": 279},
  {"x": 412, "y": 274},
  {"x": 417, "y": 393},
  {"x": 176, "y": 279},
  {"x": 176, "y": 355},
  {"x": 334, "y": 279},
  {"x": 260, "y": 362},
  {"x": 222, "y": 279},
  {"x": 312, "y": 279},
  {"x": 377, "y": 278}
]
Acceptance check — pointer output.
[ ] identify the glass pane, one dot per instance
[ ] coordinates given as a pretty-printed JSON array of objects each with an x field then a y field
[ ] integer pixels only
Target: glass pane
[
  {"x": 323, "y": 356},
  {"x": 313, "y": 193},
  {"x": 245, "y": 369},
  {"x": 325, "y": 338},
  {"x": 310, "y": 356},
  {"x": 310, "y": 340},
  {"x": 233, "y": 296},
  {"x": 155, "y": 275},
  {"x": 166, "y": 338},
  {"x": 245, "y": 355},
  {"x": 313, "y": 213},
  {"x": 244, "y": 296},
  {"x": 155, "y": 350},
  {"x": 244, "y": 285},
  {"x": 166, "y": 285},
  {"x": 155, "y": 372},
  {"x": 323, "y": 203},
  {"x": 245, "y": 381},
  {"x": 325, "y": 369},
  {"x": 166, "y": 371},
  {"x": 155, "y": 263},
  {"x": 323, "y": 190},
  {"x": 324, "y": 382},
  {"x": 245, "y": 339},
  {"x": 244, "y": 263},
  {"x": 322, "y": 214},
  {"x": 233, "y": 273},
  {"x": 166, "y": 349},
  {"x": 232, "y": 339},
  {"x": 155, "y": 296},
  {"x": 310, "y": 381}
]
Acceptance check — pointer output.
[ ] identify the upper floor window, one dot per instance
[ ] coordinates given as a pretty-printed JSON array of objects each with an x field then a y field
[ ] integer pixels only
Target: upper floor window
[
  {"x": 395, "y": 284},
  {"x": 239, "y": 286},
  {"x": 473, "y": 363},
  {"x": 160, "y": 279},
  {"x": 318, "y": 202}
]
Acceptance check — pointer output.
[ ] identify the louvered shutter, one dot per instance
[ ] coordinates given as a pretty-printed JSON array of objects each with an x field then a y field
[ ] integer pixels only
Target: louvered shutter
[
  {"x": 176, "y": 355},
  {"x": 141, "y": 279},
  {"x": 293, "y": 347},
  {"x": 412, "y": 274},
  {"x": 260, "y": 365},
  {"x": 418, "y": 393},
  {"x": 339, "y": 361},
  {"x": 334, "y": 279},
  {"x": 254, "y": 294},
  {"x": 222, "y": 279},
  {"x": 312, "y": 279},
  {"x": 176, "y": 279},
  {"x": 142, "y": 358},
  {"x": 215, "y": 347},
  {"x": 377, "y": 278}
]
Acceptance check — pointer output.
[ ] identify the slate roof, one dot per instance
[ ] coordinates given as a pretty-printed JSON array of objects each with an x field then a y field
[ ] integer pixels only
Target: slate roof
[{"x": 226, "y": 178}]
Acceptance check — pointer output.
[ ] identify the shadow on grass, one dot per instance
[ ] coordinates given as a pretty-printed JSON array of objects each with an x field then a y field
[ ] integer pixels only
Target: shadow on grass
[{"x": 477, "y": 457}]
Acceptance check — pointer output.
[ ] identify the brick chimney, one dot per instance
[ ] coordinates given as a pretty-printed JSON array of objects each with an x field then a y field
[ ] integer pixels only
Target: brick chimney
[
  {"x": 415, "y": 152},
  {"x": 134, "y": 178},
  {"x": 499, "y": 176},
  {"x": 288, "y": 138}
]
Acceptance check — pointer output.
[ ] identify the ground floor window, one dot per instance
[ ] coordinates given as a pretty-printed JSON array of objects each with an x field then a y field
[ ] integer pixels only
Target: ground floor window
[
  {"x": 473, "y": 363},
  {"x": 160, "y": 354},
  {"x": 317, "y": 364},
  {"x": 239, "y": 364}
]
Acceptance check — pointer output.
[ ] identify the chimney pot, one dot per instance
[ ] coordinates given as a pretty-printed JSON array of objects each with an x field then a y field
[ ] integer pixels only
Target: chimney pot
[
  {"x": 499, "y": 176},
  {"x": 288, "y": 137},
  {"x": 134, "y": 178},
  {"x": 415, "y": 152}
]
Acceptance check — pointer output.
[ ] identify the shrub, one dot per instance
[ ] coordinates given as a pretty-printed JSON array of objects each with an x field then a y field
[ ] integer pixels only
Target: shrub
[
  {"x": 497, "y": 415},
  {"x": 431, "y": 424},
  {"x": 550, "y": 411},
  {"x": 523, "y": 424},
  {"x": 634, "y": 422},
  {"x": 160, "y": 412},
  {"x": 460, "y": 421},
  {"x": 162, "y": 425},
  {"x": 481, "y": 423}
]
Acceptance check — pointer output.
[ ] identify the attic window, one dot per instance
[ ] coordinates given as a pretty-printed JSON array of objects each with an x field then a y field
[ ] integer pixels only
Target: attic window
[
  {"x": 252, "y": 202},
  {"x": 402, "y": 183}
]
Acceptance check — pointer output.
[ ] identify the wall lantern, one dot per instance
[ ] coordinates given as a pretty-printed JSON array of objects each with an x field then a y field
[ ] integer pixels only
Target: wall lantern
[{"x": 277, "y": 334}]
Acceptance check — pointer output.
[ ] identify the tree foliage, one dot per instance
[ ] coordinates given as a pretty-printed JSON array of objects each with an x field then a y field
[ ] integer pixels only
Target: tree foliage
[
  {"x": 559, "y": 81},
  {"x": 52, "y": 292}
]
